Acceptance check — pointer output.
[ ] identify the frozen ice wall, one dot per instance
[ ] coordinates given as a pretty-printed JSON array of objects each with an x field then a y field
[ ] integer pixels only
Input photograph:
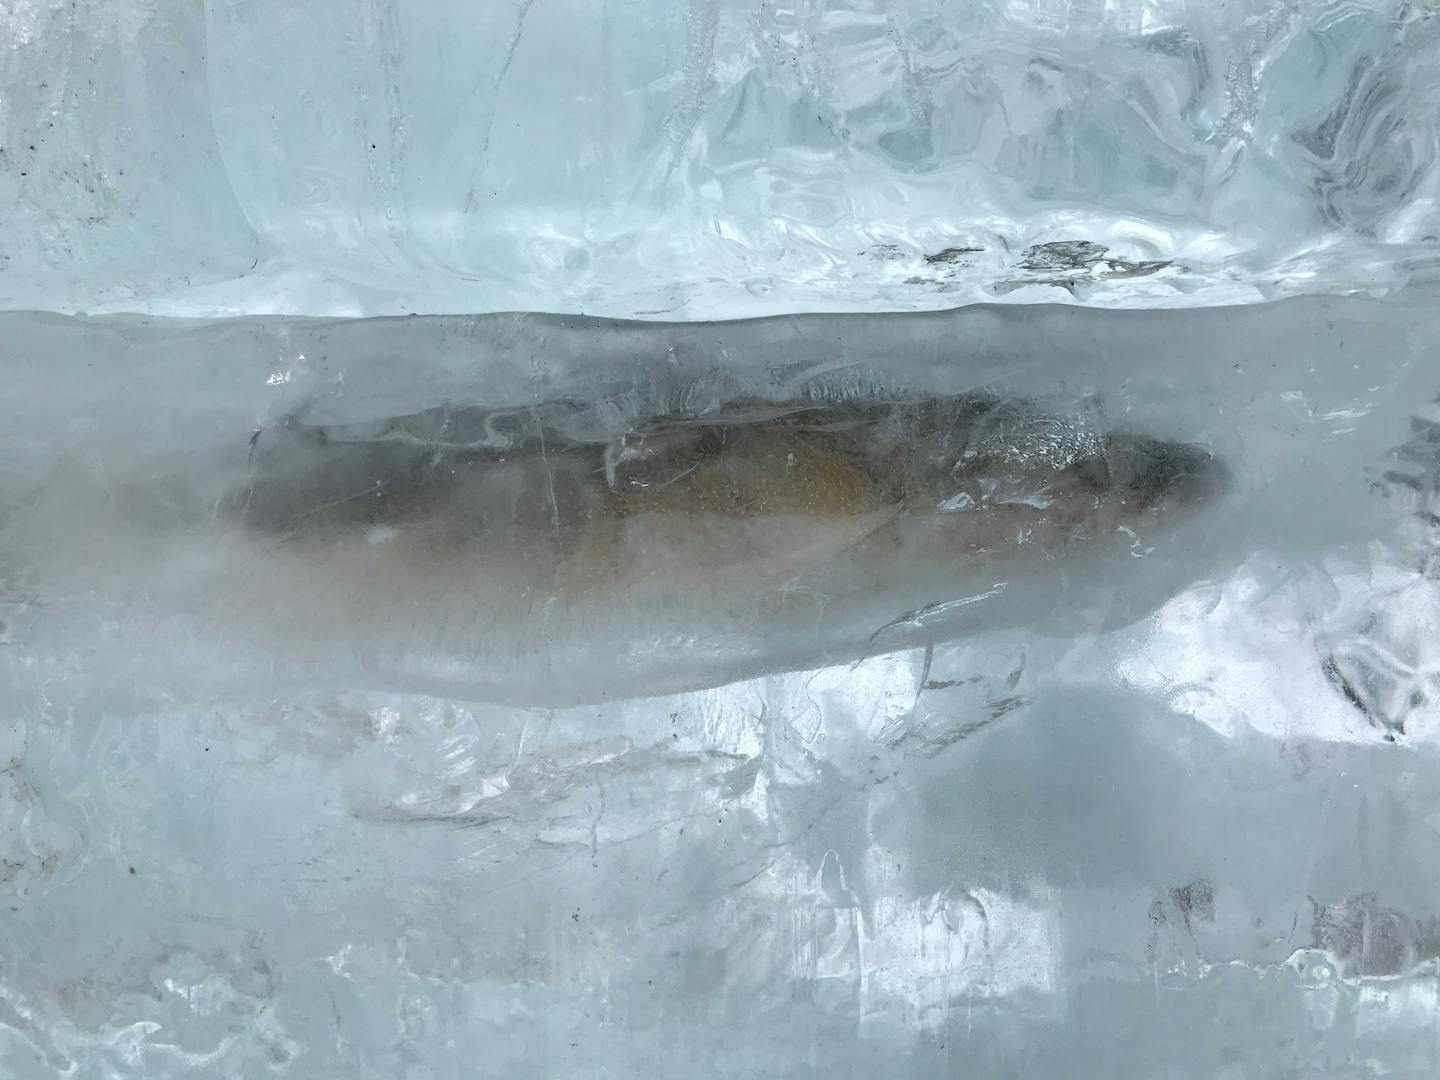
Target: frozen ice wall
[
  {"x": 709, "y": 158},
  {"x": 1142, "y": 795}
]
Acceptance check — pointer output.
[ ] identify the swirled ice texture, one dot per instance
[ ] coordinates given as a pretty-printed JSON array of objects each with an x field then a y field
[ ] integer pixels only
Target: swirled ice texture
[
  {"x": 708, "y": 158},
  {"x": 1172, "y": 814}
]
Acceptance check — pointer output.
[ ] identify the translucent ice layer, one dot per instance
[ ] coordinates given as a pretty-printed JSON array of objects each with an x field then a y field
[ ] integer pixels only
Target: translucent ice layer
[
  {"x": 1165, "y": 809},
  {"x": 710, "y": 158},
  {"x": 950, "y": 674}
]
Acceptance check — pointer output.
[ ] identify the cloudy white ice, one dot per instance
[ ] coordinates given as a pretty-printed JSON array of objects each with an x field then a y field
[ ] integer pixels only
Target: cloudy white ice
[{"x": 1162, "y": 803}]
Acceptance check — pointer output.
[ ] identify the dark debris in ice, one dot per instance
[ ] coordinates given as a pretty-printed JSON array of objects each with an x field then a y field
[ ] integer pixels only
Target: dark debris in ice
[
  {"x": 1061, "y": 264},
  {"x": 1195, "y": 900},
  {"x": 1367, "y": 939},
  {"x": 1072, "y": 265},
  {"x": 1062, "y": 255},
  {"x": 950, "y": 255}
]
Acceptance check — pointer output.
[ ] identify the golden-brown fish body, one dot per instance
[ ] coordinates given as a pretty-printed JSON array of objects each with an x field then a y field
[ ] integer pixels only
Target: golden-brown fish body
[{"x": 519, "y": 547}]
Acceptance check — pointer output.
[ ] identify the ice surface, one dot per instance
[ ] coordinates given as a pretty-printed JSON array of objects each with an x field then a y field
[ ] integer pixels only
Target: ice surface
[
  {"x": 1130, "y": 823},
  {"x": 950, "y": 674},
  {"x": 656, "y": 159}
]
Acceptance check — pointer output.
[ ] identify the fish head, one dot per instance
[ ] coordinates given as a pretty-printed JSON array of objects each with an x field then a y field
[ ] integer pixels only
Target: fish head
[
  {"x": 1149, "y": 475},
  {"x": 1056, "y": 486}
]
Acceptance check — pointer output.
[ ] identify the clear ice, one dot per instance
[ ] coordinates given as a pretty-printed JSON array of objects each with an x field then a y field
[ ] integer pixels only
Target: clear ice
[{"x": 719, "y": 539}]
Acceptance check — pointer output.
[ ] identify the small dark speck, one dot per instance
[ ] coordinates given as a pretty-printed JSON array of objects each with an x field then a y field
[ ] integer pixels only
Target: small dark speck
[
  {"x": 575, "y": 917},
  {"x": 372, "y": 146},
  {"x": 207, "y": 749},
  {"x": 132, "y": 871}
]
